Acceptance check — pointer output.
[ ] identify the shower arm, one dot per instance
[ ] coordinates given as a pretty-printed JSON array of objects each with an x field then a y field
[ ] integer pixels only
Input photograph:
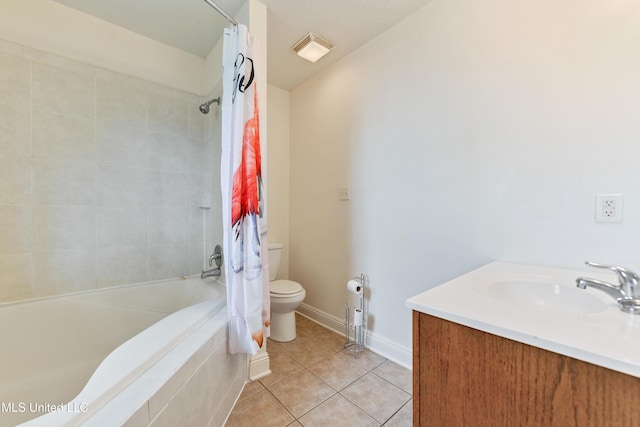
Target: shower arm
[
  {"x": 204, "y": 108},
  {"x": 222, "y": 12}
]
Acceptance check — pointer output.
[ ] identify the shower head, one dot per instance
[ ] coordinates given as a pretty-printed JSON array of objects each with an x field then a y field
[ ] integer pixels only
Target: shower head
[{"x": 204, "y": 108}]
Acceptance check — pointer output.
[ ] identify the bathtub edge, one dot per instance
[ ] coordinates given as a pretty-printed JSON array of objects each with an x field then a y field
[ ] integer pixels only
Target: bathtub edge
[{"x": 141, "y": 403}]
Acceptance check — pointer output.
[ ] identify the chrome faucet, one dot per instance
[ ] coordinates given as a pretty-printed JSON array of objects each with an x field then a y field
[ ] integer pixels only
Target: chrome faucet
[
  {"x": 217, "y": 257},
  {"x": 626, "y": 293}
]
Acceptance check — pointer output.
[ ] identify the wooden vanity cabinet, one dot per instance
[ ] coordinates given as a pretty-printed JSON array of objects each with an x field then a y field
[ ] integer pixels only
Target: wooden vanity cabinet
[{"x": 469, "y": 378}]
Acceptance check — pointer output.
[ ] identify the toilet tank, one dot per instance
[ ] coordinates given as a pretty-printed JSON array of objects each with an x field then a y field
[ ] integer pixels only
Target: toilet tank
[{"x": 275, "y": 253}]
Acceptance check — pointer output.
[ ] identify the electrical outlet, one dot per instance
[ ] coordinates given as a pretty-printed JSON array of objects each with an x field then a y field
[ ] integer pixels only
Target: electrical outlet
[{"x": 609, "y": 208}]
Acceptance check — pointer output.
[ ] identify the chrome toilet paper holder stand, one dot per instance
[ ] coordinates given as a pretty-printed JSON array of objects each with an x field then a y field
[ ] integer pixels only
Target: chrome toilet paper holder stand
[{"x": 357, "y": 346}]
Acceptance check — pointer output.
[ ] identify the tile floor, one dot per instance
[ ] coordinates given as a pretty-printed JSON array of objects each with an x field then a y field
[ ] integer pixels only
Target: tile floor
[{"x": 315, "y": 382}]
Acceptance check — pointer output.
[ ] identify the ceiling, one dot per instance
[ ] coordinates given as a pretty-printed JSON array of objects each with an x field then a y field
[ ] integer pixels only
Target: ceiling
[{"x": 195, "y": 27}]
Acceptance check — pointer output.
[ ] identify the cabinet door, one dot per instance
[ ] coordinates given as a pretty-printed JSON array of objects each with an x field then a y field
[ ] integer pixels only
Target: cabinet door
[{"x": 466, "y": 377}]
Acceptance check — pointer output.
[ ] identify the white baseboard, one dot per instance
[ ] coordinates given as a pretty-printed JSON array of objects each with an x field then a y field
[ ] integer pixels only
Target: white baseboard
[
  {"x": 323, "y": 318},
  {"x": 379, "y": 345},
  {"x": 258, "y": 365}
]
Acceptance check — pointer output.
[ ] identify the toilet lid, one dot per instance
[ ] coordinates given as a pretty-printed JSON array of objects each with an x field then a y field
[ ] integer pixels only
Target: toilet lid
[{"x": 284, "y": 287}]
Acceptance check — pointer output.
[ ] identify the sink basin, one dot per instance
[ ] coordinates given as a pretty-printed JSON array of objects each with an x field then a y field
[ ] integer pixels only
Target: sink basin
[
  {"x": 542, "y": 307},
  {"x": 547, "y": 297}
]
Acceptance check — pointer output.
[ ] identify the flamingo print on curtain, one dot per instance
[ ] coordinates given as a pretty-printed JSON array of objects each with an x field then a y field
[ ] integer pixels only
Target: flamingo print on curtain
[{"x": 243, "y": 200}]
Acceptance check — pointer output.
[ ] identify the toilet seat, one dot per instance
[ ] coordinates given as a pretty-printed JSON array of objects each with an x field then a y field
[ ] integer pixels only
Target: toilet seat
[{"x": 284, "y": 287}]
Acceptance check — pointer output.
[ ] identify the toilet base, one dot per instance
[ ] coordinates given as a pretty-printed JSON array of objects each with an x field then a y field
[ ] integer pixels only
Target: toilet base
[{"x": 283, "y": 326}]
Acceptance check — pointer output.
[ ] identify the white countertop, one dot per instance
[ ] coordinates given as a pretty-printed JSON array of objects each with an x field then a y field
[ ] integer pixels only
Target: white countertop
[{"x": 542, "y": 307}]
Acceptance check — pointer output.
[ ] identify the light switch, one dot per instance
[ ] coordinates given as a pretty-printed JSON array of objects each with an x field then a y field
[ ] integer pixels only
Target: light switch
[{"x": 344, "y": 193}]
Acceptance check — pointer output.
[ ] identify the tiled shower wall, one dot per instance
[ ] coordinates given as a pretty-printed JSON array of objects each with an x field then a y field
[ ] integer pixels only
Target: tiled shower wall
[{"x": 101, "y": 177}]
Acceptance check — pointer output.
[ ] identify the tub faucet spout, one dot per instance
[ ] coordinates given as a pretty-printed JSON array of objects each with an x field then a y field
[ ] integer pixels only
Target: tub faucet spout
[{"x": 214, "y": 272}]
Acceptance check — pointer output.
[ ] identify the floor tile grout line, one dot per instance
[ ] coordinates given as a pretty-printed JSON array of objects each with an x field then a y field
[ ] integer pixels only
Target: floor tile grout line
[
  {"x": 362, "y": 409},
  {"x": 288, "y": 376},
  {"x": 335, "y": 392},
  {"x": 329, "y": 385},
  {"x": 282, "y": 404},
  {"x": 396, "y": 412},
  {"x": 287, "y": 409},
  {"x": 348, "y": 385},
  {"x": 340, "y": 353},
  {"x": 298, "y": 419},
  {"x": 386, "y": 380},
  {"x": 368, "y": 371}
]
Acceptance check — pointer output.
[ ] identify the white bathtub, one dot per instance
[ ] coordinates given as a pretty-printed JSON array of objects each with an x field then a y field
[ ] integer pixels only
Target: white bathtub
[{"x": 122, "y": 356}]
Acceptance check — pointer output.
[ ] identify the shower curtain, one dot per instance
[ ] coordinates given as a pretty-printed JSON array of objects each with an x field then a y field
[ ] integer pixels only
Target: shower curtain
[{"x": 243, "y": 201}]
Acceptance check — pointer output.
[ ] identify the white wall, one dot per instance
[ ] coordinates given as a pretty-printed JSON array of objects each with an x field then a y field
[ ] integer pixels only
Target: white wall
[
  {"x": 472, "y": 131},
  {"x": 278, "y": 185},
  {"x": 64, "y": 31}
]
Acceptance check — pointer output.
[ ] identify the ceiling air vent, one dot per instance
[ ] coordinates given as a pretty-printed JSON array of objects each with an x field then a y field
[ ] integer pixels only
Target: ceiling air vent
[{"x": 312, "y": 47}]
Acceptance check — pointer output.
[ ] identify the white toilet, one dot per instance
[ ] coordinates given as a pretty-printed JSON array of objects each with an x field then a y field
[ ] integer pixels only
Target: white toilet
[{"x": 286, "y": 296}]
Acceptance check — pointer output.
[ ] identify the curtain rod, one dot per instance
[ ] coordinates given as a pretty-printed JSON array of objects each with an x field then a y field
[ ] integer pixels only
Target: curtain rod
[{"x": 222, "y": 12}]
